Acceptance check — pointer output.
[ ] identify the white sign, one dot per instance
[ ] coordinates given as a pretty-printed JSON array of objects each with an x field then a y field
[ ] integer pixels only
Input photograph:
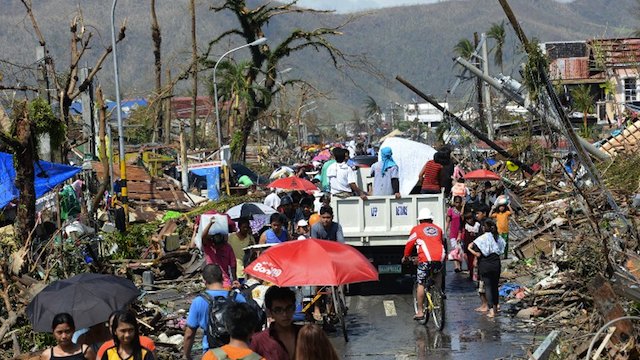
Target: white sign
[{"x": 203, "y": 165}]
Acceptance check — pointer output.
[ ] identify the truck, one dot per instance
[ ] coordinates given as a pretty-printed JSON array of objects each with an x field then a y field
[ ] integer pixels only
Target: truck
[{"x": 379, "y": 226}]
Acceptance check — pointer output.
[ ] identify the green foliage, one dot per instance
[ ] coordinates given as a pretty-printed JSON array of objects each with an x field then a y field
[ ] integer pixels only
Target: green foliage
[
  {"x": 403, "y": 125},
  {"x": 236, "y": 144},
  {"x": 622, "y": 174},
  {"x": 532, "y": 76},
  {"x": 464, "y": 48},
  {"x": 140, "y": 125},
  {"x": 133, "y": 242},
  {"x": 371, "y": 107},
  {"x": 609, "y": 88},
  {"x": 41, "y": 114},
  {"x": 498, "y": 33}
]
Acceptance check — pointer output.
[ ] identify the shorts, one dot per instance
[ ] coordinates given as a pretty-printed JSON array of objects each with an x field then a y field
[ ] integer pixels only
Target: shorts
[
  {"x": 425, "y": 269},
  {"x": 481, "y": 289}
]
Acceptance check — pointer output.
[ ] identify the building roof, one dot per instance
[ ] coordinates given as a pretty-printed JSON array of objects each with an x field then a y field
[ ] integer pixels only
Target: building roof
[
  {"x": 181, "y": 107},
  {"x": 620, "y": 52}
]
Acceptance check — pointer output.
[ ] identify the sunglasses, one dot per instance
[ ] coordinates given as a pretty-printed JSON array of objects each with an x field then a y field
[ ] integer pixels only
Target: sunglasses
[{"x": 281, "y": 310}]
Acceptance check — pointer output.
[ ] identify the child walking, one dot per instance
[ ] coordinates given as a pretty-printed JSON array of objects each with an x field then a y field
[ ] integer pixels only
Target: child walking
[{"x": 502, "y": 215}]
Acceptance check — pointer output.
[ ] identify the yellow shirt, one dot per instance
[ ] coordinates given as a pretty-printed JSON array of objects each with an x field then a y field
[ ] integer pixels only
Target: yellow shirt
[
  {"x": 502, "y": 221},
  {"x": 238, "y": 245}
]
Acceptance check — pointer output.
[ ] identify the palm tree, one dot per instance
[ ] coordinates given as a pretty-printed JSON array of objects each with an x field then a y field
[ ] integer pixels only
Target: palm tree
[
  {"x": 498, "y": 33},
  {"x": 583, "y": 102},
  {"x": 464, "y": 48},
  {"x": 372, "y": 110}
]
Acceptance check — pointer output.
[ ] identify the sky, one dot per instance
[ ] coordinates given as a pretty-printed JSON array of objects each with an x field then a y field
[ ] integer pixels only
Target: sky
[{"x": 344, "y": 6}]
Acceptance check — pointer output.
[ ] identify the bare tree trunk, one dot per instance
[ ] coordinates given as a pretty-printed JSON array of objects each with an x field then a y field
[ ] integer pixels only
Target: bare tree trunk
[
  {"x": 102, "y": 132},
  {"x": 194, "y": 74},
  {"x": 157, "y": 57},
  {"x": 24, "y": 156}
]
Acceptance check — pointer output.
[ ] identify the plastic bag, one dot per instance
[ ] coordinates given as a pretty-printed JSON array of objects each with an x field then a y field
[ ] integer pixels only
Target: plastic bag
[{"x": 220, "y": 226}]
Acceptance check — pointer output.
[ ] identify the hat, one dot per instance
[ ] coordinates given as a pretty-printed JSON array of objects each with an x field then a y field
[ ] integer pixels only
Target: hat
[
  {"x": 303, "y": 223},
  {"x": 425, "y": 214}
]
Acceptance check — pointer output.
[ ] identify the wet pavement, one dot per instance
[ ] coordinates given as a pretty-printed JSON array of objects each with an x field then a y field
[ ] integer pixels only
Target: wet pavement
[{"x": 381, "y": 327}]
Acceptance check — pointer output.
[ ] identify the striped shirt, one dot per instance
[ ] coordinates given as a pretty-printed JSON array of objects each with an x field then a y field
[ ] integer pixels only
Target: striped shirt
[{"x": 430, "y": 176}]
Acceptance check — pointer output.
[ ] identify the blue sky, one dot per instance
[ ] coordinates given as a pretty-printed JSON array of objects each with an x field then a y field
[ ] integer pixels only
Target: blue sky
[{"x": 343, "y": 6}]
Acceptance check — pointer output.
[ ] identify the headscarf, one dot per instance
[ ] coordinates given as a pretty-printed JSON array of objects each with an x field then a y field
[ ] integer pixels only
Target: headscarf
[{"x": 387, "y": 160}]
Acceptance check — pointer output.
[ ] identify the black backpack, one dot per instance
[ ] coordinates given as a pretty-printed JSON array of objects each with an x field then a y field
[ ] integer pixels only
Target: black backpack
[
  {"x": 216, "y": 331},
  {"x": 246, "y": 291}
]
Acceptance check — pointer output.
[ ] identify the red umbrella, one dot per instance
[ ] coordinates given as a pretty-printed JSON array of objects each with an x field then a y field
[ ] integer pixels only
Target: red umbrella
[
  {"x": 293, "y": 183},
  {"x": 312, "y": 262},
  {"x": 482, "y": 175}
]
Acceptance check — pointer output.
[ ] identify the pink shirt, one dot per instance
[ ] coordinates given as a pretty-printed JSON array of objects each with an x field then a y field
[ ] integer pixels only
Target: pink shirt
[
  {"x": 223, "y": 257},
  {"x": 454, "y": 224}
]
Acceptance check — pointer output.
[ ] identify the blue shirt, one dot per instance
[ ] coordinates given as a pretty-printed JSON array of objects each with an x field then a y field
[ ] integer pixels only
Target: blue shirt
[
  {"x": 272, "y": 238},
  {"x": 199, "y": 312}
]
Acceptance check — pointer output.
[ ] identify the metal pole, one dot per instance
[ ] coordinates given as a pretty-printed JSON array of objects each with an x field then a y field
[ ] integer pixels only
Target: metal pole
[
  {"x": 123, "y": 168},
  {"x": 215, "y": 84},
  {"x": 486, "y": 94}
]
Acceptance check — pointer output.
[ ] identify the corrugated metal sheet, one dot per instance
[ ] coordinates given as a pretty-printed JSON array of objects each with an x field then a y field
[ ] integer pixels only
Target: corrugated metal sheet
[
  {"x": 570, "y": 68},
  {"x": 615, "y": 52},
  {"x": 181, "y": 107}
]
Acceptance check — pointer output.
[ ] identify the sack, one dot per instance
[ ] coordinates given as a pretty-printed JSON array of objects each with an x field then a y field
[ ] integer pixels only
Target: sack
[
  {"x": 216, "y": 331},
  {"x": 456, "y": 253},
  {"x": 247, "y": 292},
  {"x": 222, "y": 355}
]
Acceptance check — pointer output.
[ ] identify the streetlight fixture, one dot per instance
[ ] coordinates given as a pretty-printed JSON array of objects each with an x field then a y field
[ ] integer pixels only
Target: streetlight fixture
[
  {"x": 123, "y": 168},
  {"x": 215, "y": 85}
]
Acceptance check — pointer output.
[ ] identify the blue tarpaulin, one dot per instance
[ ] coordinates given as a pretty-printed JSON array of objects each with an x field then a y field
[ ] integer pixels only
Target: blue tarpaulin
[{"x": 48, "y": 176}]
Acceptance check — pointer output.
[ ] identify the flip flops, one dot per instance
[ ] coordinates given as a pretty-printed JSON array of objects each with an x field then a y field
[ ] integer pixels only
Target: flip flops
[{"x": 418, "y": 318}]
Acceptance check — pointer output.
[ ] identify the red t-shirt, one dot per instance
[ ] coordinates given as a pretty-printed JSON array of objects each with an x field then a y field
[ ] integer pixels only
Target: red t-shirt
[
  {"x": 431, "y": 176},
  {"x": 427, "y": 238}
]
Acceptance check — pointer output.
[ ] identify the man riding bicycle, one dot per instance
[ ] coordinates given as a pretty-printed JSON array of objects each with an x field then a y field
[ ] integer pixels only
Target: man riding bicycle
[{"x": 426, "y": 237}]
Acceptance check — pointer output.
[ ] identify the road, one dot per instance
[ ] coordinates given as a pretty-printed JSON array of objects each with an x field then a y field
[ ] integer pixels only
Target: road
[{"x": 381, "y": 327}]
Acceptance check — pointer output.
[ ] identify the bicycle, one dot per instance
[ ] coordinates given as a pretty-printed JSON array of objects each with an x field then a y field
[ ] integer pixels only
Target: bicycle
[
  {"x": 338, "y": 311},
  {"x": 433, "y": 304}
]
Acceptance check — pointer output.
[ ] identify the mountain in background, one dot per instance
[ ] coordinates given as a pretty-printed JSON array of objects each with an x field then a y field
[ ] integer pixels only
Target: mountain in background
[{"x": 415, "y": 42}]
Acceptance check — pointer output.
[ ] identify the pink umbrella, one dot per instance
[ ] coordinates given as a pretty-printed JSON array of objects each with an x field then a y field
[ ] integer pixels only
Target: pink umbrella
[{"x": 323, "y": 155}]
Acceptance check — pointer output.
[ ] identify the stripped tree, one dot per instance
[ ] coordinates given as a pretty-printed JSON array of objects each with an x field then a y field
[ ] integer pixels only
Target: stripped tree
[
  {"x": 265, "y": 59},
  {"x": 69, "y": 87}
]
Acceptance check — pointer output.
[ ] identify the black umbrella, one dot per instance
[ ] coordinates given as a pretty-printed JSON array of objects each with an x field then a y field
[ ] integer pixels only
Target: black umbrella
[{"x": 89, "y": 298}]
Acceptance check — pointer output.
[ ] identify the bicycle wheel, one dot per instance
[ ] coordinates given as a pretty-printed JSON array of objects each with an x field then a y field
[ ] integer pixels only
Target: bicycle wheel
[
  {"x": 438, "y": 307},
  {"x": 340, "y": 309},
  {"x": 342, "y": 299},
  {"x": 425, "y": 305}
]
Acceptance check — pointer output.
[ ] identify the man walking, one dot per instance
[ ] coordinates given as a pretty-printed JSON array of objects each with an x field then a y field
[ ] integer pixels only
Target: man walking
[{"x": 199, "y": 311}]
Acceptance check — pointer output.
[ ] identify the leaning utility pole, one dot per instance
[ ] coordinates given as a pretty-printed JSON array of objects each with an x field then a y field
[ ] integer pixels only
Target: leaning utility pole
[{"x": 468, "y": 127}]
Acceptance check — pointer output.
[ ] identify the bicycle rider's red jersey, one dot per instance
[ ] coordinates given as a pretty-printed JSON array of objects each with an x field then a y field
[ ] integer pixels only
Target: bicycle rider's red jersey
[{"x": 427, "y": 238}]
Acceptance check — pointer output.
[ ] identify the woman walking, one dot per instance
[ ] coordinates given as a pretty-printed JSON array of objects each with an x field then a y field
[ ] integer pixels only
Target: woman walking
[
  {"x": 487, "y": 248},
  {"x": 63, "y": 328},
  {"x": 453, "y": 224}
]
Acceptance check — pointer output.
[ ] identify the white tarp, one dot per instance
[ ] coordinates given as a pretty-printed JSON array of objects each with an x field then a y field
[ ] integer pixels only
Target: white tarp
[{"x": 410, "y": 157}]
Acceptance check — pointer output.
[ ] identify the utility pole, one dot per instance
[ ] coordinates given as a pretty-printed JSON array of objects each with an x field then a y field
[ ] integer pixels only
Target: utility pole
[
  {"x": 43, "y": 91},
  {"x": 88, "y": 126},
  {"x": 183, "y": 160},
  {"x": 481, "y": 112},
  {"x": 485, "y": 88}
]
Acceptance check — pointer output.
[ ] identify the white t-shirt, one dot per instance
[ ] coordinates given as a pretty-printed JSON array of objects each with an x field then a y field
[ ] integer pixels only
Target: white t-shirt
[
  {"x": 272, "y": 200},
  {"x": 382, "y": 182},
  {"x": 340, "y": 176}
]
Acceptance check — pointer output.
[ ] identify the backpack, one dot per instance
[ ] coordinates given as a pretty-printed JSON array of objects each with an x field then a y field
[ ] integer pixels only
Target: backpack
[
  {"x": 247, "y": 291},
  {"x": 222, "y": 355},
  {"x": 216, "y": 331}
]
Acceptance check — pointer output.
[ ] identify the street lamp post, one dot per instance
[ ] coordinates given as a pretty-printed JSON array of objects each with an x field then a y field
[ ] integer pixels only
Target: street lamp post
[
  {"x": 299, "y": 116},
  {"x": 215, "y": 85},
  {"x": 123, "y": 168}
]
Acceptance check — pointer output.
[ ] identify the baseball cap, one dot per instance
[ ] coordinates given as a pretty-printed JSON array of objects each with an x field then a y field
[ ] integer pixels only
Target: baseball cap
[
  {"x": 425, "y": 214},
  {"x": 303, "y": 223}
]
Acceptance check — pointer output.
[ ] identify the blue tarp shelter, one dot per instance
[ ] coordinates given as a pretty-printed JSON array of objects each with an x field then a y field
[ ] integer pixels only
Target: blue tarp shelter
[{"x": 48, "y": 176}]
